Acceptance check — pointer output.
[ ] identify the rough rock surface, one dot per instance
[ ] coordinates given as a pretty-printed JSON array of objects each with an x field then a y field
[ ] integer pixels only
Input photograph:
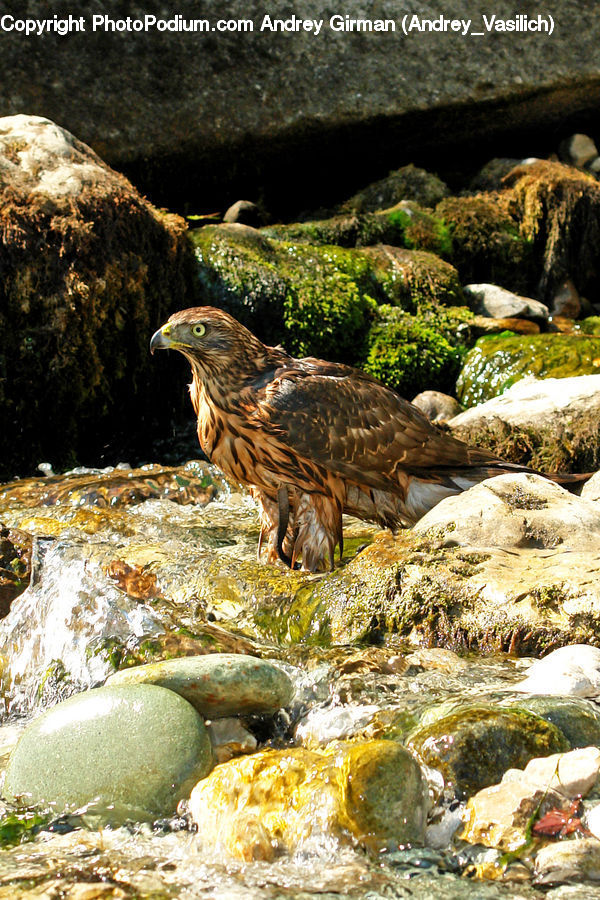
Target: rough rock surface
[
  {"x": 493, "y": 300},
  {"x": 551, "y": 424},
  {"x": 180, "y": 101},
  {"x": 89, "y": 269}
]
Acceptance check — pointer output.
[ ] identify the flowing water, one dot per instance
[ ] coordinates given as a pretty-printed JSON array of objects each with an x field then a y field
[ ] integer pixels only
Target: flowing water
[{"x": 129, "y": 566}]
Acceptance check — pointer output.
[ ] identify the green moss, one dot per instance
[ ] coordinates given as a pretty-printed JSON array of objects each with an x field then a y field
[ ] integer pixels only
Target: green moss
[
  {"x": 487, "y": 244},
  {"x": 496, "y": 362},
  {"x": 405, "y": 225},
  {"x": 412, "y": 353},
  {"x": 21, "y": 827}
]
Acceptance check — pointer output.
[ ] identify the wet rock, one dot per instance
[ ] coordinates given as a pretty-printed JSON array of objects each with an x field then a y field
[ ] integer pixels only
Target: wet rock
[
  {"x": 579, "y": 720},
  {"x": 567, "y": 861},
  {"x": 475, "y": 746},
  {"x": 500, "y": 815},
  {"x": 321, "y": 726},
  {"x": 195, "y": 482},
  {"x": 550, "y": 424},
  {"x": 572, "y": 671},
  {"x": 578, "y": 150},
  {"x": 438, "y": 407},
  {"x": 15, "y": 565},
  {"x": 495, "y": 363},
  {"x": 407, "y": 183},
  {"x": 217, "y": 685},
  {"x": 566, "y": 301},
  {"x": 498, "y": 303},
  {"x": 131, "y": 751},
  {"x": 257, "y": 806},
  {"x": 246, "y": 213},
  {"x": 572, "y": 774},
  {"x": 229, "y": 738},
  {"x": 84, "y": 308}
]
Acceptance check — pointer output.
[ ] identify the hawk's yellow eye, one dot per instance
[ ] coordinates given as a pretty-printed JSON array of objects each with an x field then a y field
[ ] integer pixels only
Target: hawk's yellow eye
[{"x": 198, "y": 330}]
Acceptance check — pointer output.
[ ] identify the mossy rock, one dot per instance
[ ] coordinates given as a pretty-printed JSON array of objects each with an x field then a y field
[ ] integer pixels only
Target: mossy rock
[
  {"x": 496, "y": 362},
  {"x": 474, "y": 747},
  {"x": 487, "y": 244},
  {"x": 259, "y": 806},
  {"x": 415, "y": 353},
  {"x": 320, "y": 299},
  {"x": 89, "y": 270},
  {"x": 557, "y": 208},
  {"x": 413, "y": 279},
  {"x": 407, "y": 183},
  {"x": 578, "y": 719},
  {"x": 316, "y": 300},
  {"x": 404, "y": 225}
]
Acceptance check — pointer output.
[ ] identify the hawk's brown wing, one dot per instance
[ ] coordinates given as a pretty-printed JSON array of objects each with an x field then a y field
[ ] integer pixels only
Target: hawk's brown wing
[{"x": 352, "y": 425}]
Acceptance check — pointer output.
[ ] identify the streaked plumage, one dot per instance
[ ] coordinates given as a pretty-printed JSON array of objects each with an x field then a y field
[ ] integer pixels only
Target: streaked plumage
[{"x": 314, "y": 439}]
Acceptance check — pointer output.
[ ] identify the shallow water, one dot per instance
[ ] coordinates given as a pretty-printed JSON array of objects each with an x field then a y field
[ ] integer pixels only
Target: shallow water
[{"x": 130, "y": 566}]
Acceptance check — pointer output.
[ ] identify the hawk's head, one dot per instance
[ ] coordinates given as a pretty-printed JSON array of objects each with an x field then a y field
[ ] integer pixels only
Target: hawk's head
[{"x": 212, "y": 340}]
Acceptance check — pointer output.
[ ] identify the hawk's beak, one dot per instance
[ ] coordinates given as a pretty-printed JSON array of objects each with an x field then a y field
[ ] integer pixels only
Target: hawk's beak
[{"x": 161, "y": 339}]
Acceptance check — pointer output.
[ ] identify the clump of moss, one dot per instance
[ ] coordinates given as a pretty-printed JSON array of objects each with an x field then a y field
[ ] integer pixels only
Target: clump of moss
[
  {"x": 487, "y": 243},
  {"x": 316, "y": 300},
  {"x": 558, "y": 211},
  {"x": 410, "y": 353},
  {"x": 406, "y": 183}
]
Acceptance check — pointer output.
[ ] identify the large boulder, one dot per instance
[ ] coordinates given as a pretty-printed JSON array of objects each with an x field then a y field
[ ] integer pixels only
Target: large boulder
[
  {"x": 551, "y": 424},
  {"x": 209, "y": 109},
  {"x": 89, "y": 269}
]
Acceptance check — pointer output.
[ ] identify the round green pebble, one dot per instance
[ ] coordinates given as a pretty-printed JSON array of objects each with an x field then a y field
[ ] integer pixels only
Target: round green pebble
[
  {"x": 130, "y": 752},
  {"x": 217, "y": 684}
]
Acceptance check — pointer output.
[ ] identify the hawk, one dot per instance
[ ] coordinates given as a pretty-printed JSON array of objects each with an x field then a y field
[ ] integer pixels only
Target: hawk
[{"x": 313, "y": 439}]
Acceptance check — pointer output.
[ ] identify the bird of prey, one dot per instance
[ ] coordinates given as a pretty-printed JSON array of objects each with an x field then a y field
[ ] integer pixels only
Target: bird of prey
[{"x": 313, "y": 439}]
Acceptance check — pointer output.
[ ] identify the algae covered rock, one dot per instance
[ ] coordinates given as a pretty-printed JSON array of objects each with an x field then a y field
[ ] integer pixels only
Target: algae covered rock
[
  {"x": 318, "y": 300},
  {"x": 264, "y": 804},
  {"x": 551, "y": 424},
  {"x": 89, "y": 269},
  {"x": 487, "y": 244},
  {"x": 558, "y": 208},
  {"x": 218, "y": 684},
  {"x": 475, "y": 746},
  {"x": 413, "y": 279},
  {"x": 130, "y": 751},
  {"x": 495, "y": 363},
  {"x": 578, "y": 719}
]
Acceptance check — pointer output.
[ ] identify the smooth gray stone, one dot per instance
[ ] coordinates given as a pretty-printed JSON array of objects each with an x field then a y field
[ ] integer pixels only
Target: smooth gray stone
[
  {"x": 218, "y": 684},
  {"x": 132, "y": 751}
]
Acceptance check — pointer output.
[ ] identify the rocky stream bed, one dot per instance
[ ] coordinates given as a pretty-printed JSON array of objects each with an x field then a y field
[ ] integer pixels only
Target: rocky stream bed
[{"x": 180, "y": 720}]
